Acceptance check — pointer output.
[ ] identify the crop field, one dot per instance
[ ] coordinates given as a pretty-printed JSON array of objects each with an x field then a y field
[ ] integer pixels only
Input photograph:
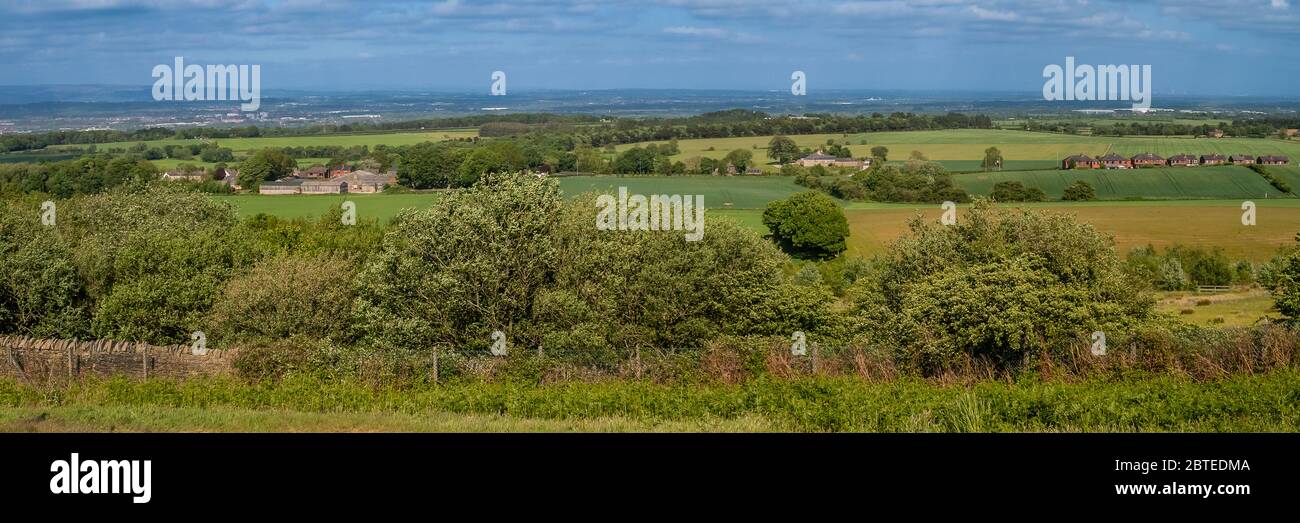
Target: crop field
[
  {"x": 1226, "y": 181},
  {"x": 1288, "y": 173},
  {"x": 1206, "y": 223},
  {"x": 720, "y": 192},
  {"x": 962, "y": 149}
]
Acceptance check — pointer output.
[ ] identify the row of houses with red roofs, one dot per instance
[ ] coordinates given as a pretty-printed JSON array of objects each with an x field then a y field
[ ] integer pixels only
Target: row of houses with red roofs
[{"x": 1115, "y": 161}]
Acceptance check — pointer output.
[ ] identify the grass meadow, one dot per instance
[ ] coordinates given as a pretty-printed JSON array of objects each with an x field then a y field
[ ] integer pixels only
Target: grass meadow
[{"x": 1241, "y": 403}]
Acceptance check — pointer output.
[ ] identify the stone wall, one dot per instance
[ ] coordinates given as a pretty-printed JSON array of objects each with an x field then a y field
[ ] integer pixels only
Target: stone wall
[{"x": 38, "y": 360}]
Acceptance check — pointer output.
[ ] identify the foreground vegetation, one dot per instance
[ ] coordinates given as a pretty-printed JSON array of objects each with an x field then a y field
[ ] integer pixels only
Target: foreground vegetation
[{"x": 1266, "y": 402}]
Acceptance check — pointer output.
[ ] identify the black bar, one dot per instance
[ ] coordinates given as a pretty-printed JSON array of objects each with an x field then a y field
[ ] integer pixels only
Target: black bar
[{"x": 228, "y": 473}]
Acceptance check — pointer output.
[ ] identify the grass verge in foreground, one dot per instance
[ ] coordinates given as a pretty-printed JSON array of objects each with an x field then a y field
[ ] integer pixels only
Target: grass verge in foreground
[{"x": 1269, "y": 402}]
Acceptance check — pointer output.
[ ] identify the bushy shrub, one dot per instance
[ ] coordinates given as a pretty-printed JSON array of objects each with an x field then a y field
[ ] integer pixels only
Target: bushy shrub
[
  {"x": 1012, "y": 191},
  {"x": 1079, "y": 191},
  {"x": 451, "y": 275},
  {"x": 40, "y": 292},
  {"x": 915, "y": 181},
  {"x": 307, "y": 295},
  {"x": 152, "y": 260},
  {"x": 999, "y": 286}
]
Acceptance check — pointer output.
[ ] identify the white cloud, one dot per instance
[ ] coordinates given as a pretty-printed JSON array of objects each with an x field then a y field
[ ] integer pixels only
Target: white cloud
[
  {"x": 989, "y": 14},
  {"x": 711, "y": 32}
]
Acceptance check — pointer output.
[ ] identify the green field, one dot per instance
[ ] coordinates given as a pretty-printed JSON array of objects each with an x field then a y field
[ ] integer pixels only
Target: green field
[
  {"x": 1116, "y": 184},
  {"x": 720, "y": 192},
  {"x": 1205, "y": 223},
  {"x": 962, "y": 149}
]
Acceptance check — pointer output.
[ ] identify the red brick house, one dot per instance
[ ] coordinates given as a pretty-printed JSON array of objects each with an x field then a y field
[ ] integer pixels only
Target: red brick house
[
  {"x": 1241, "y": 159},
  {"x": 1213, "y": 159},
  {"x": 1183, "y": 160},
  {"x": 1147, "y": 160},
  {"x": 1080, "y": 161},
  {"x": 1271, "y": 160},
  {"x": 1115, "y": 161}
]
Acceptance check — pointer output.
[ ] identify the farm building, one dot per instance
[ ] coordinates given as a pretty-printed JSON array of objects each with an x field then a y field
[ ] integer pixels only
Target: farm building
[
  {"x": 1147, "y": 160},
  {"x": 1271, "y": 160},
  {"x": 817, "y": 158},
  {"x": 753, "y": 170},
  {"x": 324, "y": 187},
  {"x": 1213, "y": 159},
  {"x": 285, "y": 186},
  {"x": 1115, "y": 161},
  {"x": 1183, "y": 160},
  {"x": 1215, "y": 134},
  {"x": 179, "y": 175},
  {"x": 366, "y": 181},
  {"x": 1241, "y": 159},
  {"x": 826, "y": 160},
  {"x": 315, "y": 171},
  {"x": 228, "y": 176},
  {"x": 1080, "y": 161}
]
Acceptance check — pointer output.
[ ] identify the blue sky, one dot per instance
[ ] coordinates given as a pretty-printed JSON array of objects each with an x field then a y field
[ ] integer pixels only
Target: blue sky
[{"x": 1235, "y": 47}]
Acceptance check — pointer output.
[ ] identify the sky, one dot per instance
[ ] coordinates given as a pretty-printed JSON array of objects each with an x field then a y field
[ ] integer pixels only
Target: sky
[{"x": 1211, "y": 47}]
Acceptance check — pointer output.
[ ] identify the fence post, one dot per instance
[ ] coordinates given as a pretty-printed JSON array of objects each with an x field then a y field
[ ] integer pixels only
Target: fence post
[
  {"x": 436, "y": 350},
  {"x": 638, "y": 362},
  {"x": 71, "y": 370},
  {"x": 144, "y": 360},
  {"x": 815, "y": 349}
]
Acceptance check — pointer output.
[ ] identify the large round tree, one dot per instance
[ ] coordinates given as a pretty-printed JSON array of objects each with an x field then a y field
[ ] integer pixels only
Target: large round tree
[{"x": 808, "y": 225}]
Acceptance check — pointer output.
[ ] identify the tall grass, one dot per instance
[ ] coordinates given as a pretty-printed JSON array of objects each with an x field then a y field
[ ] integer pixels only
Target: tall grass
[{"x": 1264, "y": 402}]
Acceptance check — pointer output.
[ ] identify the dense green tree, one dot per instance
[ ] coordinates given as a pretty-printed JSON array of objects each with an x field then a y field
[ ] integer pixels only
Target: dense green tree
[
  {"x": 807, "y": 225},
  {"x": 1286, "y": 286},
  {"x": 992, "y": 159},
  {"x": 431, "y": 165},
  {"x": 741, "y": 158},
  {"x": 265, "y": 165},
  {"x": 782, "y": 149}
]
